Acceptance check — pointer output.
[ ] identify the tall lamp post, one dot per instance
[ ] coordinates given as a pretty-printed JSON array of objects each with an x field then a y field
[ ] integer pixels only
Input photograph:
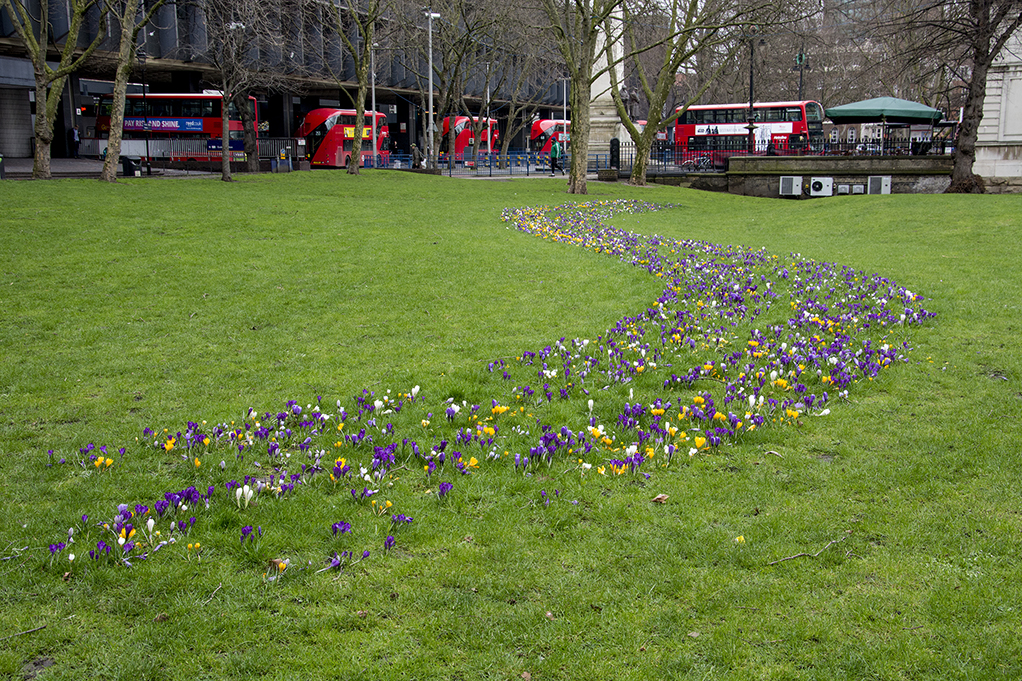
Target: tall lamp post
[
  {"x": 752, "y": 113},
  {"x": 801, "y": 63},
  {"x": 429, "y": 126},
  {"x": 372, "y": 68},
  {"x": 564, "y": 102},
  {"x": 489, "y": 128},
  {"x": 146, "y": 126}
]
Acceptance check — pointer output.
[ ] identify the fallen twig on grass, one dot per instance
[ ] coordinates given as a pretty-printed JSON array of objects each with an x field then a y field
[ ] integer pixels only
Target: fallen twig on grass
[
  {"x": 213, "y": 594},
  {"x": 811, "y": 555},
  {"x": 20, "y": 633}
]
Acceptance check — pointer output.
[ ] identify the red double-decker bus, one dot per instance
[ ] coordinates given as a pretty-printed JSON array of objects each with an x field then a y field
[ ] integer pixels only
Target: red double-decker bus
[
  {"x": 707, "y": 134},
  {"x": 330, "y": 134},
  {"x": 464, "y": 135},
  {"x": 181, "y": 127},
  {"x": 542, "y": 135}
]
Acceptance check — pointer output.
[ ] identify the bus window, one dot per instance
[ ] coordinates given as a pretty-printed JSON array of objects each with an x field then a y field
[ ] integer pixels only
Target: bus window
[{"x": 793, "y": 115}]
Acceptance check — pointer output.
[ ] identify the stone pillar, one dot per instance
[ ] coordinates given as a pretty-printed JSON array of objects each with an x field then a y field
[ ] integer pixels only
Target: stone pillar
[{"x": 604, "y": 123}]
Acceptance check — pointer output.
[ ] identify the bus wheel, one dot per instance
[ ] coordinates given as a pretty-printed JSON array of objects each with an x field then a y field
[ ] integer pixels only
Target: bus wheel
[
  {"x": 191, "y": 160},
  {"x": 347, "y": 161}
]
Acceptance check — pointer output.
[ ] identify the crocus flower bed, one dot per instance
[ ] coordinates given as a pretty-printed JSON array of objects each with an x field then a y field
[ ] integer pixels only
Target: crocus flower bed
[{"x": 739, "y": 341}]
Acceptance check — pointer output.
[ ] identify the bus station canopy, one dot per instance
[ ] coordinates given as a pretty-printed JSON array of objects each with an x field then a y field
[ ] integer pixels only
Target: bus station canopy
[{"x": 884, "y": 110}]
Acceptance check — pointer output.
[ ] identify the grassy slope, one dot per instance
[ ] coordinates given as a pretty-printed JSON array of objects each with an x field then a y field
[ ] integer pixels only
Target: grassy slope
[{"x": 121, "y": 314}]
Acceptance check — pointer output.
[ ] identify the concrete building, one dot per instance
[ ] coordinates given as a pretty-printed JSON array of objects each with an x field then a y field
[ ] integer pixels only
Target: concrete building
[{"x": 173, "y": 53}]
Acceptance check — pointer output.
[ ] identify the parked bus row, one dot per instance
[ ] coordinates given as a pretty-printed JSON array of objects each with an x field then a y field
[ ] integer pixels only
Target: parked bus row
[{"x": 703, "y": 137}]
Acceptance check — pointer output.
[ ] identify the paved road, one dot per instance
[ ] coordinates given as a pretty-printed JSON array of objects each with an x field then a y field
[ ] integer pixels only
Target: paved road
[
  {"x": 85, "y": 168},
  {"x": 21, "y": 169}
]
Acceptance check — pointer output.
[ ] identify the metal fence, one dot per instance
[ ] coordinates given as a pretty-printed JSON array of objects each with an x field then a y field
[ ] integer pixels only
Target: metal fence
[
  {"x": 663, "y": 159},
  {"x": 160, "y": 148}
]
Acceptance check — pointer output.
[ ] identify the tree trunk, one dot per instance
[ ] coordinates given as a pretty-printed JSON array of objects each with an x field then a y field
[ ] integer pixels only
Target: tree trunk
[
  {"x": 225, "y": 136},
  {"x": 963, "y": 180},
  {"x": 113, "y": 143},
  {"x": 579, "y": 138},
  {"x": 242, "y": 103},
  {"x": 124, "y": 61},
  {"x": 642, "y": 146},
  {"x": 360, "y": 123},
  {"x": 44, "y": 122},
  {"x": 452, "y": 139}
]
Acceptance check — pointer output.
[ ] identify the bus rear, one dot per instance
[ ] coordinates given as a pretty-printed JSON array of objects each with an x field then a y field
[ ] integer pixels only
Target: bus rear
[{"x": 181, "y": 127}]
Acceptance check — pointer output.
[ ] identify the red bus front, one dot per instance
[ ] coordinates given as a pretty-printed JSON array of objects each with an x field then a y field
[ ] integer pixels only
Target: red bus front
[
  {"x": 330, "y": 135},
  {"x": 464, "y": 135},
  {"x": 543, "y": 131}
]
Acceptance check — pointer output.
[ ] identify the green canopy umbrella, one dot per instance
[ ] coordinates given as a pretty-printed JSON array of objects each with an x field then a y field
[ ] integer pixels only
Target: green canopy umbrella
[{"x": 884, "y": 110}]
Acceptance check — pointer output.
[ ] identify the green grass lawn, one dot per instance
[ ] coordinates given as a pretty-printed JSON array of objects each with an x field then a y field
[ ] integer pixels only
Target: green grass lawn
[{"x": 178, "y": 306}]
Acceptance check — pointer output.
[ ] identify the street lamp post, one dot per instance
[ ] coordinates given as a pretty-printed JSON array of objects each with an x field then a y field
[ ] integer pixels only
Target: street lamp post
[
  {"x": 146, "y": 127},
  {"x": 752, "y": 114},
  {"x": 429, "y": 127},
  {"x": 372, "y": 67},
  {"x": 486, "y": 124},
  {"x": 564, "y": 102},
  {"x": 800, "y": 64}
]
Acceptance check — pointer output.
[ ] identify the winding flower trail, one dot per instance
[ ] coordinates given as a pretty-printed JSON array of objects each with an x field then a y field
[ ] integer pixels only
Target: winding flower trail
[{"x": 738, "y": 340}]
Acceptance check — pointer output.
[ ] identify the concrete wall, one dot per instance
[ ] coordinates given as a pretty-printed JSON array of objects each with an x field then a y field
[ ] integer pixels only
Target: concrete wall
[{"x": 760, "y": 175}]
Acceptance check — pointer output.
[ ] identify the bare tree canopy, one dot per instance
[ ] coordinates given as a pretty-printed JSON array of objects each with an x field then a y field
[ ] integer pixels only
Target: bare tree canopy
[
  {"x": 663, "y": 40},
  {"x": 244, "y": 42},
  {"x": 37, "y": 34},
  {"x": 131, "y": 17},
  {"x": 581, "y": 30},
  {"x": 968, "y": 35}
]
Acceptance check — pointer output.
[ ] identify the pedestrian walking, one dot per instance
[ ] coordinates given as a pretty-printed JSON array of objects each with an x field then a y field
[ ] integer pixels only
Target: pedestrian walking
[
  {"x": 73, "y": 142},
  {"x": 555, "y": 157},
  {"x": 416, "y": 157}
]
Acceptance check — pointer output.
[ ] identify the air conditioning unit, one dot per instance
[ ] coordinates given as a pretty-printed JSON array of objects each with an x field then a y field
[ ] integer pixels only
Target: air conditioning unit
[
  {"x": 844, "y": 189},
  {"x": 858, "y": 189},
  {"x": 821, "y": 186},
  {"x": 791, "y": 185},
  {"x": 879, "y": 184}
]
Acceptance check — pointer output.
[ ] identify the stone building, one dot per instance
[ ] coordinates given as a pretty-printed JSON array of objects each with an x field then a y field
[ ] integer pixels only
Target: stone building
[{"x": 999, "y": 145}]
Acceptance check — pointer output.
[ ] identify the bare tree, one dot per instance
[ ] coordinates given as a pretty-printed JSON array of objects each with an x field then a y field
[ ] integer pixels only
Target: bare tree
[
  {"x": 355, "y": 23},
  {"x": 663, "y": 39},
  {"x": 131, "y": 16},
  {"x": 515, "y": 67},
  {"x": 35, "y": 34},
  {"x": 977, "y": 30},
  {"x": 236, "y": 32},
  {"x": 521, "y": 78},
  {"x": 460, "y": 35},
  {"x": 581, "y": 28}
]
